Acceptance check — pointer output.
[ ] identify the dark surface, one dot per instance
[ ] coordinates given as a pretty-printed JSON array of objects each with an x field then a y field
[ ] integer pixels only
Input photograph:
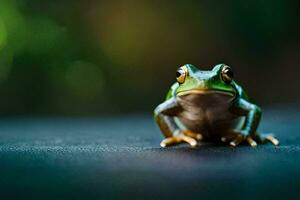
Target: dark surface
[{"x": 120, "y": 158}]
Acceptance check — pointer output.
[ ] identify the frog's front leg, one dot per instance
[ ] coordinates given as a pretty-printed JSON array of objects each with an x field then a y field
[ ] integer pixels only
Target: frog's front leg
[
  {"x": 164, "y": 116},
  {"x": 253, "y": 115}
]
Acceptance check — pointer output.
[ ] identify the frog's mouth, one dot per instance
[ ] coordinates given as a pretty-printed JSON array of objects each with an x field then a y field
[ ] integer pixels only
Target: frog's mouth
[
  {"x": 205, "y": 98},
  {"x": 206, "y": 92}
]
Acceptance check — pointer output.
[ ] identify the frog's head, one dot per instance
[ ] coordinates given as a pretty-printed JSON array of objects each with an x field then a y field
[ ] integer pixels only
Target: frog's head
[{"x": 193, "y": 80}]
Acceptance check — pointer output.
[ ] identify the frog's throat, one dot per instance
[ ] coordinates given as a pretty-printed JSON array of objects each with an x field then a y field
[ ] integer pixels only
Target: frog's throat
[{"x": 197, "y": 91}]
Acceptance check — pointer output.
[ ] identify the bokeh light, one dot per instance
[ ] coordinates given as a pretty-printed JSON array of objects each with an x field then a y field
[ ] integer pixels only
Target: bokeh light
[
  {"x": 95, "y": 57},
  {"x": 2, "y": 34},
  {"x": 85, "y": 80}
]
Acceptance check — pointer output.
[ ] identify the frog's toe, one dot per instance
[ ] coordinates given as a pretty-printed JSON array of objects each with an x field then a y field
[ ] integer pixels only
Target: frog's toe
[
  {"x": 228, "y": 138},
  {"x": 163, "y": 144},
  {"x": 189, "y": 140},
  {"x": 168, "y": 142},
  {"x": 273, "y": 140},
  {"x": 178, "y": 139},
  {"x": 223, "y": 139},
  {"x": 192, "y": 134},
  {"x": 238, "y": 139},
  {"x": 251, "y": 142},
  {"x": 241, "y": 138},
  {"x": 263, "y": 138}
]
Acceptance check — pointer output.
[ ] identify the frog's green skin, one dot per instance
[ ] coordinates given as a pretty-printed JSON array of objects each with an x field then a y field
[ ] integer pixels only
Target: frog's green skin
[{"x": 205, "y": 105}]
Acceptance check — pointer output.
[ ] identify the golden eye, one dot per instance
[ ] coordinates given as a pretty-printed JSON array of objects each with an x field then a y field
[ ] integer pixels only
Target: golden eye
[
  {"x": 181, "y": 74},
  {"x": 227, "y": 74}
]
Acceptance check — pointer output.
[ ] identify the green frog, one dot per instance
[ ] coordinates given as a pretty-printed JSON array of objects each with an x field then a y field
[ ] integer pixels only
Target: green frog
[{"x": 209, "y": 106}]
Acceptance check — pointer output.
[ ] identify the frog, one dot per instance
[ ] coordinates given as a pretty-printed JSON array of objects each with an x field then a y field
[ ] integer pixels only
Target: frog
[{"x": 209, "y": 106}]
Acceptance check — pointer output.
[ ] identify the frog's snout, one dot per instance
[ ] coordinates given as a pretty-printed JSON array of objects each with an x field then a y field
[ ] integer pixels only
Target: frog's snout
[{"x": 202, "y": 84}]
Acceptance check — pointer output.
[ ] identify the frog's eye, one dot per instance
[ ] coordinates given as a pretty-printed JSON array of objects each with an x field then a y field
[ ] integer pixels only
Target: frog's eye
[
  {"x": 181, "y": 74},
  {"x": 227, "y": 74}
]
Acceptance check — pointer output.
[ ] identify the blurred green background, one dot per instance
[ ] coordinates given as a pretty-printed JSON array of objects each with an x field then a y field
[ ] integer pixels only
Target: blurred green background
[{"x": 81, "y": 57}]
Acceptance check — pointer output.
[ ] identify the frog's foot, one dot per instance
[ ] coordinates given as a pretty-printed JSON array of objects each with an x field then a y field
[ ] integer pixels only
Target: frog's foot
[
  {"x": 236, "y": 138},
  {"x": 178, "y": 139},
  {"x": 263, "y": 138},
  {"x": 196, "y": 136},
  {"x": 241, "y": 138}
]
